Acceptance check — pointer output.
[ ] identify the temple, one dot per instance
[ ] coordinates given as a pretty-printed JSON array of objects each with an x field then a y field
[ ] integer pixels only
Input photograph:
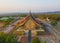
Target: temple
[{"x": 30, "y": 23}]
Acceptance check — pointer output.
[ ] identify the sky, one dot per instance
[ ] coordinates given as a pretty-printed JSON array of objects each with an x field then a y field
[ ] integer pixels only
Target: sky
[{"x": 26, "y": 5}]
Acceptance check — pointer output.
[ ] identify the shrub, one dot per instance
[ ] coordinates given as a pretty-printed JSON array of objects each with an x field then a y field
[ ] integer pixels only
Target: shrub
[{"x": 36, "y": 40}]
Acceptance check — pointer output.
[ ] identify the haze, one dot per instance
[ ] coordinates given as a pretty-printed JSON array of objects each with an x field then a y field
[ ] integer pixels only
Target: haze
[{"x": 26, "y": 5}]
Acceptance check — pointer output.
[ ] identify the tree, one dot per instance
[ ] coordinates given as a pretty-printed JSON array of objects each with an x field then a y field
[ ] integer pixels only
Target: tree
[
  {"x": 8, "y": 38},
  {"x": 36, "y": 40},
  {"x": 54, "y": 22}
]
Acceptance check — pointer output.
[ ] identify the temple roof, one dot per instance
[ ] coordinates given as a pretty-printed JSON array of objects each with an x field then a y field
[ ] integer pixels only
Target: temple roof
[{"x": 27, "y": 23}]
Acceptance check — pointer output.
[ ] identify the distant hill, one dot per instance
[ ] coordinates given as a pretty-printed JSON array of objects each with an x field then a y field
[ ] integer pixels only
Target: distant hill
[
  {"x": 56, "y": 12},
  {"x": 24, "y": 14},
  {"x": 14, "y": 14}
]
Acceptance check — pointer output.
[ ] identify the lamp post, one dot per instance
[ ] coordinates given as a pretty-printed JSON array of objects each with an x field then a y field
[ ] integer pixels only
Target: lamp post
[
  {"x": 29, "y": 32},
  {"x": 29, "y": 36}
]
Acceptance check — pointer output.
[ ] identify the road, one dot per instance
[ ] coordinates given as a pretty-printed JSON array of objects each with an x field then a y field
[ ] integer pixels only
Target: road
[
  {"x": 48, "y": 27},
  {"x": 10, "y": 27}
]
